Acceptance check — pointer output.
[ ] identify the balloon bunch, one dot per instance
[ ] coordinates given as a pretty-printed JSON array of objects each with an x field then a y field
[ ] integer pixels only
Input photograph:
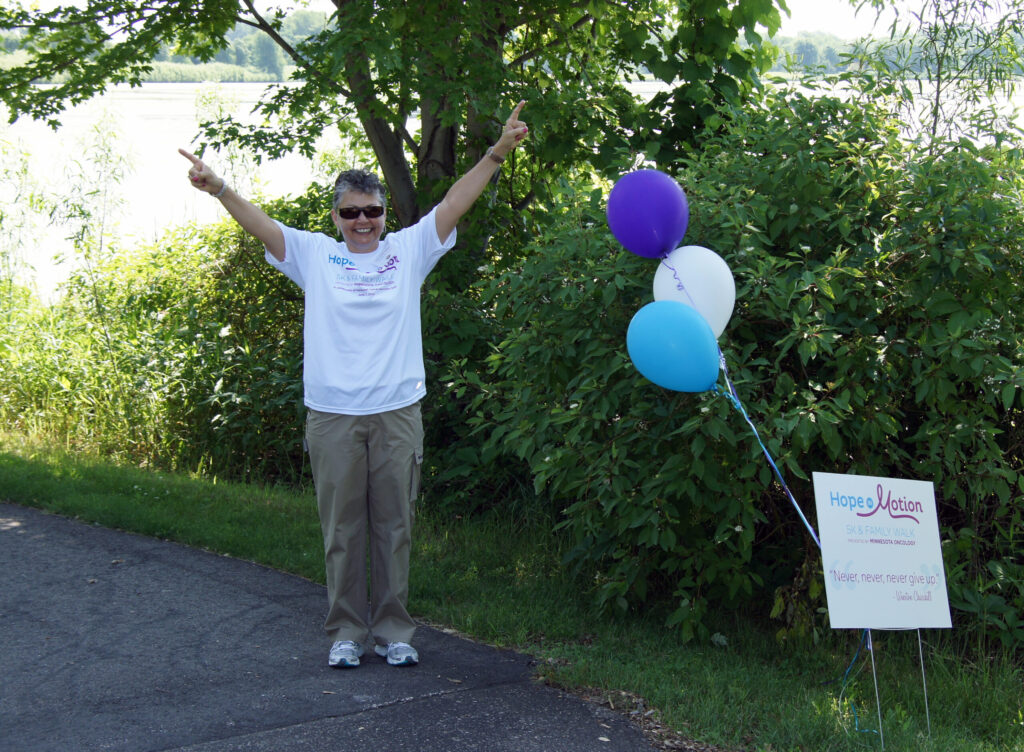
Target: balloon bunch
[{"x": 674, "y": 340}]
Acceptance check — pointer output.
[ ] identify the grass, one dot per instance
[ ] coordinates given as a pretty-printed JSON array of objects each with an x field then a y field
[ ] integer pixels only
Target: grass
[{"x": 500, "y": 580}]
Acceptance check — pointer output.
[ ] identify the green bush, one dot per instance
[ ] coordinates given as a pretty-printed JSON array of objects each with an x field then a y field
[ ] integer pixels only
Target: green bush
[
  {"x": 877, "y": 331},
  {"x": 186, "y": 354},
  {"x": 626, "y": 465},
  {"x": 883, "y": 293}
]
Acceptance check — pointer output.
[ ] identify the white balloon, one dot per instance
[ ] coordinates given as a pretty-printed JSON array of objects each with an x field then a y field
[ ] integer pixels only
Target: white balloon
[{"x": 701, "y": 279}]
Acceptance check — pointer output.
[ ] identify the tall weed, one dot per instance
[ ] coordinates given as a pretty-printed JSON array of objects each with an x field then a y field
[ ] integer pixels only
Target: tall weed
[{"x": 193, "y": 361}]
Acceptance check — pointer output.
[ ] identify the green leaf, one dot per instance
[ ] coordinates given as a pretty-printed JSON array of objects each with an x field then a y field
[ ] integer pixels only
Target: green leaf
[{"x": 1008, "y": 393}]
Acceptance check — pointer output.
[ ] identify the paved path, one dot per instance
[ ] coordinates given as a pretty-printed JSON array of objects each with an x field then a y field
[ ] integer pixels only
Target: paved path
[{"x": 112, "y": 641}]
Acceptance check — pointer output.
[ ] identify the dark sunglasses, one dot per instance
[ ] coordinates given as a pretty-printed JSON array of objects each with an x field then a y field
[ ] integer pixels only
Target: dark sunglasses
[{"x": 353, "y": 212}]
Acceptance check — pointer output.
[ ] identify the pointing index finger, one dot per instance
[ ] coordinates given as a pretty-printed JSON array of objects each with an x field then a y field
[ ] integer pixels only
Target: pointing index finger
[
  {"x": 191, "y": 157},
  {"x": 517, "y": 110}
]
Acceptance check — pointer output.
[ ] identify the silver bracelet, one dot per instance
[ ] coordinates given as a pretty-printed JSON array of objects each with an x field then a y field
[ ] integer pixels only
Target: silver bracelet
[{"x": 223, "y": 187}]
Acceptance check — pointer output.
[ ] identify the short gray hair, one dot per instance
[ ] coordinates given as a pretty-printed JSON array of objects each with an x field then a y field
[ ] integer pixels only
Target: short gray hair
[{"x": 361, "y": 181}]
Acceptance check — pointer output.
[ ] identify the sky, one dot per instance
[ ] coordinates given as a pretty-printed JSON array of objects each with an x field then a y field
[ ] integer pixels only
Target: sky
[{"x": 838, "y": 17}]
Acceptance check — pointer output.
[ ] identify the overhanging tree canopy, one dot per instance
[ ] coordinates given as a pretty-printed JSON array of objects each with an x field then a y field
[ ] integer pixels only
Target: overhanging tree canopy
[{"x": 452, "y": 67}]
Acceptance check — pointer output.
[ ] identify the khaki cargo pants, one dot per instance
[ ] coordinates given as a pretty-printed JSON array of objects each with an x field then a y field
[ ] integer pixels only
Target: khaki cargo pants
[{"x": 366, "y": 469}]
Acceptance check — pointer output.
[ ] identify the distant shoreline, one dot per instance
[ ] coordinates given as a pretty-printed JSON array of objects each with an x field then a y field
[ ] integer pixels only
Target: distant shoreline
[{"x": 167, "y": 72}]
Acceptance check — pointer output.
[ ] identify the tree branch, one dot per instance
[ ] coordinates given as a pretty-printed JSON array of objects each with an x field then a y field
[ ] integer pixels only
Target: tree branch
[
  {"x": 538, "y": 18},
  {"x": 557, "y": 41},
  {"x": 267, "y": 28}
]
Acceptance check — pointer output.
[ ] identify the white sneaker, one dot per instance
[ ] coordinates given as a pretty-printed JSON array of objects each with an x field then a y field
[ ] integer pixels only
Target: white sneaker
[
  {"x": 398, "y": 654},
  {"x": 345, "y": 654}
]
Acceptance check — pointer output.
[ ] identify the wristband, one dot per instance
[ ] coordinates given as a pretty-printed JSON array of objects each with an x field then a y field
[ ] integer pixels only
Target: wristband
[
  {"x": 223, "y": 187},
  {"x": 492, "y": 155}
]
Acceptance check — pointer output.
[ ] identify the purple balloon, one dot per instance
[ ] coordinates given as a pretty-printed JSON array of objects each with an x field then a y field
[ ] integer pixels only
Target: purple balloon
[{"x": 648, "y": 213}]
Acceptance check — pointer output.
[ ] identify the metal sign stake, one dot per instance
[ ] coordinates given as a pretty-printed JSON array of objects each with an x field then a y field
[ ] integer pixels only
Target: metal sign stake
[
  {"x": 878, "y": 698},
  {"x": 924, "y": 682}
]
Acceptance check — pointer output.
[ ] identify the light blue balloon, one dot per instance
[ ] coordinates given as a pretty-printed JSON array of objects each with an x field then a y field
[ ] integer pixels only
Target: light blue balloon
[{"x": 672, "y": 345}]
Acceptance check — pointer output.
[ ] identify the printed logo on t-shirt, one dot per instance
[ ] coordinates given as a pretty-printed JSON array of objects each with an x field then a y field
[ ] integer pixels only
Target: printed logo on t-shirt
[
  {"x": 365, "y": 282},
  {"x": 340, "y": 260}
]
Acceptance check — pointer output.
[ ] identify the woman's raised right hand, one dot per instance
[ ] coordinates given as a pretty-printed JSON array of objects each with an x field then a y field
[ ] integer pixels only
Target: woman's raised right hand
[{"x": 200, "y": 174}]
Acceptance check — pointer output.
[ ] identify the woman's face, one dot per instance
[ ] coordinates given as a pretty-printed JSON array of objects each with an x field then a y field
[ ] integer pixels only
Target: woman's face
[{"x": 361, "y": 234}]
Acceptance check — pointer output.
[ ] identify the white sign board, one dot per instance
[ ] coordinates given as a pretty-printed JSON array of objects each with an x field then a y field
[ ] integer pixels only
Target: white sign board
[{"x": 881, "y": 552}]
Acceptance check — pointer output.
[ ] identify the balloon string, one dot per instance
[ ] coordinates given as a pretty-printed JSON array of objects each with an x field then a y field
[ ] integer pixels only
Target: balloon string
[
  {"x": 864, "y": 639},
  {"x": 679, "y": 283},
  {"x": 735, "y": 400}
]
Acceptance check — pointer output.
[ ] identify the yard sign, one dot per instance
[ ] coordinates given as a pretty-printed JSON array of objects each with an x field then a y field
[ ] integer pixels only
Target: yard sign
[{"x": 881, "y": 554}]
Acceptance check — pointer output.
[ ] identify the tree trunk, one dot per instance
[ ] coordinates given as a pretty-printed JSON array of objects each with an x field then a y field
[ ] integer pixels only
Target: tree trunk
[{"x": 386, "y": 143}]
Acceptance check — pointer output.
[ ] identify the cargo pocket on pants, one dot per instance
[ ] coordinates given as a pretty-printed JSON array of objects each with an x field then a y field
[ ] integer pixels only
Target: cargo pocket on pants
[{"x": 414, "y": 480}]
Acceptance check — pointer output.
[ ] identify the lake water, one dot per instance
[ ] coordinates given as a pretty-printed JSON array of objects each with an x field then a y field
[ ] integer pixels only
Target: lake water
[{"x": 150, "y": 122}]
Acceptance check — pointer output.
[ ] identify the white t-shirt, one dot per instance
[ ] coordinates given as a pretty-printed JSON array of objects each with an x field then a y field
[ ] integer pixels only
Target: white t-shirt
[{"x": 363, "y": 350}]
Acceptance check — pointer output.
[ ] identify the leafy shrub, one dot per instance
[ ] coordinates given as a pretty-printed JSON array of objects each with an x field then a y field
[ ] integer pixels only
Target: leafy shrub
[
  {"x": 623, "y": 462},
  {"x": 897, "y": 280},
  {"x": 186, "y": 354},
  {"x": 877, "y": 331}
]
